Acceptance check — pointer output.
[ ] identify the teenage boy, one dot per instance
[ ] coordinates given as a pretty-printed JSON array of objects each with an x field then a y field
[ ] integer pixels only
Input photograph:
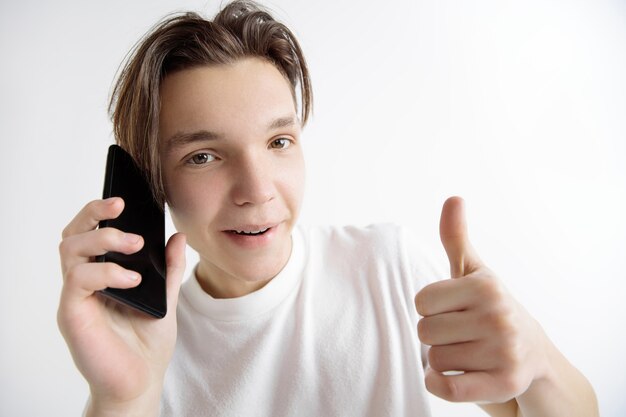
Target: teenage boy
[{"x": 277, "y": 319}]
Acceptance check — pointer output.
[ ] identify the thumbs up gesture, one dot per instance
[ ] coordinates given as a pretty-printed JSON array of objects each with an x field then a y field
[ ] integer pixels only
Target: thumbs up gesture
[{"x": 475, "y": 327}]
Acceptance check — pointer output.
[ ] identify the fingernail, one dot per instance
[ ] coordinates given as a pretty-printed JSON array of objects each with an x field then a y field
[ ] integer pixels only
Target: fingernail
[
  {"x": 133, "y": 276},
  {"x": 110, "y": 200},
  {"x": 131, "y": 237}
]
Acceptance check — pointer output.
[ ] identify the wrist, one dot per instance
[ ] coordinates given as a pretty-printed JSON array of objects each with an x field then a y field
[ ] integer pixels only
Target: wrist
[
  {"x": 145, "y": 405},
  {"x": 558, "y": 388}
]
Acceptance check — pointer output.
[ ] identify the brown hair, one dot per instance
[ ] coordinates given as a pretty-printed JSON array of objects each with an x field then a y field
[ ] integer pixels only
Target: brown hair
[{"x": 241, "y": 29}]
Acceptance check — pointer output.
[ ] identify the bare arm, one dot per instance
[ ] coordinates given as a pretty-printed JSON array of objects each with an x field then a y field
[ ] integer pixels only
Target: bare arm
[{"x": 562, "y": 391}]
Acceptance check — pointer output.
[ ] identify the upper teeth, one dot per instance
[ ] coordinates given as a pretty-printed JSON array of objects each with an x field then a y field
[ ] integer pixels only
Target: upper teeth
[{"x": 253, "y": 232}]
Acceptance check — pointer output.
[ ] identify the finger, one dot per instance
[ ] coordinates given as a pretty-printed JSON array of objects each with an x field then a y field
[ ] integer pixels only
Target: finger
[
  {"x": 455, "y": 240},
  {"x": 83, "y": 280},
  {"x": 469, "y": 356},
  {"x": 88, "y": 218},
  {"x": 447, "y": 296},
  {"x": 80, "y": 248},
  {"x": 467, "y": 387},
  {"x": 175, "y": 261},
  {"x": 451, "y": 328}
]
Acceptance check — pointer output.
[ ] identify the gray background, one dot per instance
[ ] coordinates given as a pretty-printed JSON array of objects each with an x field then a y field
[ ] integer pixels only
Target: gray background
[{"x": 517, "y": 106}]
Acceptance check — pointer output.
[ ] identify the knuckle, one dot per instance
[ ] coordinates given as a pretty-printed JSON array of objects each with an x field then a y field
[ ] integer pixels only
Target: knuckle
[
  {"x": 489, "y": 289},
  {"x": 90, "y": 210},
  {"x": 63, "y": 248},
  {"x": 110, "y": 237},
  {"x": 61, "y": 316},
  {"x": 61, "y": 322},
  {"x": 93, "y": 206},
  {"x": 443, "y": 387},
  {"x": 420, "y": 302},
  {"x": 452, "y": 390},
  {"x": 514, "y": 352},
  {"x": 72, "y": 276},
  {"x": 97, "y": 210},
  {"x": 110, "y": 269},
  {"x": 430, "y": 386},
  {"x": 435, "y": 359},
  {"x": 423, "y": 332},
  {"x": 510, "y": 353},
  {"x": 107, "y": 234},
  {"x": 499, "y": 320},
  {"x": 511, "y": 383},
  {"x": 508, "y": 324},
  {"x": 433, "y": 382},
  {"x": 66, "y": 232}
]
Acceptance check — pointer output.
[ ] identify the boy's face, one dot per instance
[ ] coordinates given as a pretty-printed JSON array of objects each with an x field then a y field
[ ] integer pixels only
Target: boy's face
[{"x": 233, "y": 170}]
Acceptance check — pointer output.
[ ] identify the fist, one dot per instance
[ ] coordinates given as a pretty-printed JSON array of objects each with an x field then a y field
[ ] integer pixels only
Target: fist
[{"x": 484, "y": 346}]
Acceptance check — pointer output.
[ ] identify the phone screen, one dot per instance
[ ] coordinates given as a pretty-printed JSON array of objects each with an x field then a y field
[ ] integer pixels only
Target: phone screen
[{"x": 142, "y": 215}]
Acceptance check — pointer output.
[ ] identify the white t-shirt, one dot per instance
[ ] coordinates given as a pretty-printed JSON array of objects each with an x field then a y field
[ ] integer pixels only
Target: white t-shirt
[{"x": 333, "y": 334}]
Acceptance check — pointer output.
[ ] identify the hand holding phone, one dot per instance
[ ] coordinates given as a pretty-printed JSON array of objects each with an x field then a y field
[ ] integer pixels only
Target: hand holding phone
[
  {"x": 123, "y": 354},
  {"x": 143, "y": 216}
]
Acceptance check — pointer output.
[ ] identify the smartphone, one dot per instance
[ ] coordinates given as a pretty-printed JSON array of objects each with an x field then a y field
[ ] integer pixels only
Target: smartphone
[{"x": 142, "y": 215}]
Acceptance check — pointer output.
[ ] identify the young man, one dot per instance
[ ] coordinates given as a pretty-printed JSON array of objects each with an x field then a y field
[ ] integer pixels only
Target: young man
[{"x": 278, "y": 319}]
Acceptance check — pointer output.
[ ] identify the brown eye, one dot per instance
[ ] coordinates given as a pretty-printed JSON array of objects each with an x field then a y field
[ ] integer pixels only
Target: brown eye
[
  {"x": 280, "y": 143},
  {"x": 201, "y": 158}
]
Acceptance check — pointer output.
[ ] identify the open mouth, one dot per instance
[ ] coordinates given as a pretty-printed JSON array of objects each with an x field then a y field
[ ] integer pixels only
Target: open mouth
[
  {"x": 250, "y": 233},
  {"x": 252, "y": 236}
]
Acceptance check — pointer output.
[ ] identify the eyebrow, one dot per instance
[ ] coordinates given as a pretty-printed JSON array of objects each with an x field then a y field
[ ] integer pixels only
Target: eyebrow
[
  {"x": 282, "y": 122},
  {"x": 182, "y": 138}
]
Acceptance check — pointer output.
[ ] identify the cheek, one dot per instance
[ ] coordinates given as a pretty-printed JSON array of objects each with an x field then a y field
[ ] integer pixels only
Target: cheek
[
  {"x": 192, "y": 201},
  {"x": 295, "y": 181}
]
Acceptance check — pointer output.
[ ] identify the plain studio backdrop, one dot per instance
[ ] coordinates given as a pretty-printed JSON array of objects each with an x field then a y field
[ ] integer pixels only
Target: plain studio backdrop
[{"x": 519, "y": 107}]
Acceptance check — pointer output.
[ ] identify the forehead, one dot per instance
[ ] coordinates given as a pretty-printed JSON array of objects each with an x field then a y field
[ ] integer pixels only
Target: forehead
[{"x": 245, "y": 94}]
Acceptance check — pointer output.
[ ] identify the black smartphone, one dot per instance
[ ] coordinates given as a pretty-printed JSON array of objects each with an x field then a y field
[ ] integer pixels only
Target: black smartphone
[{"x": 142, "y": 215}]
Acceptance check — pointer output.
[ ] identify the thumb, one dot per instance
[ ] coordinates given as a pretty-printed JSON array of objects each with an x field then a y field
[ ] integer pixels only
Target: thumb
[
  {"x": 453, "y": 231},
  {"x": 175, "y": 261}
]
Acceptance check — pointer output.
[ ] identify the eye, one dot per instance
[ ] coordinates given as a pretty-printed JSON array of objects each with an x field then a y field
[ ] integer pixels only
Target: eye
[
  {"x": 201, "y": 158},
  {"x": 280, "y": 143}
]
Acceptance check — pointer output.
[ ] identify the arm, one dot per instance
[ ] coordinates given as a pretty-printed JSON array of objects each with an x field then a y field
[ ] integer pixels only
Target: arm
[
  {"x": 562, "y": 391},
  {"x": 474, "y": 325}
]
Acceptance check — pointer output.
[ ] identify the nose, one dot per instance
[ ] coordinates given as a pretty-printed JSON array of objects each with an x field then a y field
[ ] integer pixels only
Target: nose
[{"x": 253, "y": 182}]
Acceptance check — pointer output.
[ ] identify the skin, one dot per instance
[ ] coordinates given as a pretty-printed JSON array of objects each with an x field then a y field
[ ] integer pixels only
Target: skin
[
  {"x": 123, "y": 354},
  {"x": 248, "y": 174},
  {"x": 233, "y": 166},
  {"x": 231, "y": 157},
  {"x": 474, "y": 325}
]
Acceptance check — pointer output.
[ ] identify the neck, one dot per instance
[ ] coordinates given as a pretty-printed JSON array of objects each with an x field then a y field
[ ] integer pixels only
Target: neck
[{"x": 219, "y": 284}]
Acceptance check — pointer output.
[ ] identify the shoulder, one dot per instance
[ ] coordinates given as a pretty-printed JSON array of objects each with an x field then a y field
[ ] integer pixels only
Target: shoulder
[
  {"x": 381, "y": 249},
  {"x": 381, "y": 236}
]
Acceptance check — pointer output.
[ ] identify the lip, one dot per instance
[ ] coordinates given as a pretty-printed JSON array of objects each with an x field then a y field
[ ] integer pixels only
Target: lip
[{"x": 253, "y": 241}]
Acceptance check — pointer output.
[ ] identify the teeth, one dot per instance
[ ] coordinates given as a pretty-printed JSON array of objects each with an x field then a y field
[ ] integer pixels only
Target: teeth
[{"x": 257, "y": 232}]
